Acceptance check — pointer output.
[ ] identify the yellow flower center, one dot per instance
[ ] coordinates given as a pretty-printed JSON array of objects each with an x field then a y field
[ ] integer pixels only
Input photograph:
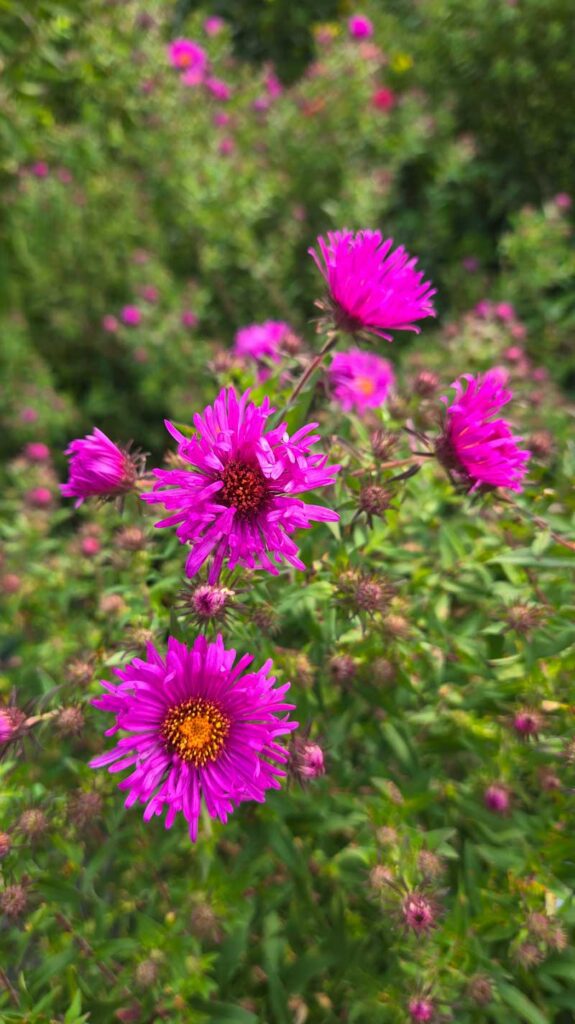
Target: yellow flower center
[{"x": 196, "y": 730}]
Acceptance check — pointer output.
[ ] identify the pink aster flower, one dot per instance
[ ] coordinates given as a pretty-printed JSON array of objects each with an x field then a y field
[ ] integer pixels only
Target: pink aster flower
[
  {"x": 307, "y": 760},
  {"x": 360, "y": 27},
  {"x": 272, "y": 84},
  {"x": 383, "y": 99},
  {"x": 98, "y": 468},
  {"x": 239, "y": 499},
  {"x": 199, "y": 730},
  {"x": 505, "y": 311},
  {"x": 131, "y": 316},
  {"x": 563, "y": 200},
  {"x": 110, "y": 323},
  {"x": 39, "y": 497},
  {"x": 479, "y": 449},
  {"x": 187, "y": 55},
  {"x": 40, "y": 169},
  {"x": 213, "y": 25},
  {"x": 37, "y": 451},
  {"x": 189, "y": 319},
  {"x": 149, "y": 293},
  {"x": 219, "y": 90},
  {"x": 371, "y": 288},
  {"x": 262, "y": 342},
  {"x": 360, "y": 380}
]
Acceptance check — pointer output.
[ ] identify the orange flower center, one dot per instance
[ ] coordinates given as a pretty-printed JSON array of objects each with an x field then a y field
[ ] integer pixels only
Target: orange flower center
[
  {"x": 196, "y": 730},
  {"x": 245, "y": 488},
  {"x": 366, "y": 385}
]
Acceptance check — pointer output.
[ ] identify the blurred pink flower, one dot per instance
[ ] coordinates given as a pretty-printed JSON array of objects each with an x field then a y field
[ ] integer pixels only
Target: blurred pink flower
[
  {"x": 372, "y": 288},
  {"x": 421, "y": 1009},
  {"x": 213, "y": 25},
  {"x": 219, "y": 90},
  {"x": 483, "y": 309},
  {"x": 505, "y": 311},
  {"x": 149, "y": 293},
  {"x": 383, "y": 99},
  {"x": 226, "y": 146},
  {"x": 40, "y": 169},
  {"x": 110, "y": 323},
  {"x": 360, "y": 380},
  {"x": 131, "y": 316},
  {"x": 360, "y": 27},
  {"x": 189, "y": 319},
  {"x": 28, "y": 414},
  {"x": 39, "y": 497},
  {"x": 187, "y": 55},
  {"x": 90, "y": 546},
  {"x": 273, "y": 86},
  {"x": 563, "y": 200},
  {"x": 36, "y": 451},
  {"x": 262, "y": 342},
  {"x": 221, "y": 118}
]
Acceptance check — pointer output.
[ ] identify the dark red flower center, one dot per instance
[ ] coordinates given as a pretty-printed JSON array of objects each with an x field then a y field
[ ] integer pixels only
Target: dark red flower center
[
  {"x": 245, "y": 488},
  {"x": 196, "y": 730}
]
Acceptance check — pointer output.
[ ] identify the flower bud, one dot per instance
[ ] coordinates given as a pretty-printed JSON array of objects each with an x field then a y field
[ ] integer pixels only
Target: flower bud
[
  {"x": 430, "y": 865},
  {"x": 83, "y": 807},
  {"x": 131, "y": 538},
  {"x": 374, "y": 500},
  {"x": 426, "y": 383},
  {"x": 70, "y": 721},
  {"x": 383, "y": 443},
  {"x": 5, "y": 844},
  {"x": 146, "y": 973},
  {"x": 33, "y": 823},
  {"x": 13, "y": 900},
  {"x": 497, "y": 798},
  {"x": 342, "y": 667},
  {"x": 307, "y": 760},
  {"x": 480, "y": 990}
]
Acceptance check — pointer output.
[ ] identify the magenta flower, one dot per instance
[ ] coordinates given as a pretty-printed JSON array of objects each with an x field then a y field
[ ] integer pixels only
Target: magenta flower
[
  {"x": 360, "y": 380},
  {"x": 37, "y": 451},
  {"x": 262, "y": 342},
  {"x": 150, "y": 293},
  {"x": 213, "y": 25},
  {"x": 131, "y": 316},
  {"x": 221, "y": 119},
  {"x": 187, "y": 55},
  {"x": 480, "y": 450},
  {"x": 383, "y": 99},
  {"x": 239, "y": 499},
  {"x": 360, "y": 27},
  {"x": 563, "y": 201},
  {"x": 199, "y": 731},
  {"x": 39, "y": 497},
  {"x": 40, "y": 169},
  {"x": 226, "y": 146},
  {"x": 98, "y": 468},
  {"x": 189, "y": 319},
  {"x": 220, "y": 90},
  {"x": 371, "y": 288}
]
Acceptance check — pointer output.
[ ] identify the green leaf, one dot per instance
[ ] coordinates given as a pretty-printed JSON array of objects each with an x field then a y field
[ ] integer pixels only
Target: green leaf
[{"x": 521, "y": 1004}]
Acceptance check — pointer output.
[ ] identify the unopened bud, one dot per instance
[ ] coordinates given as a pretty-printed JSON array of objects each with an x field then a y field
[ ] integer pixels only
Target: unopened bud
[
  {"x": 33, "y": 823},
  {"x": 375, "y": 500},
  {"x": 13, "y": 900}
]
